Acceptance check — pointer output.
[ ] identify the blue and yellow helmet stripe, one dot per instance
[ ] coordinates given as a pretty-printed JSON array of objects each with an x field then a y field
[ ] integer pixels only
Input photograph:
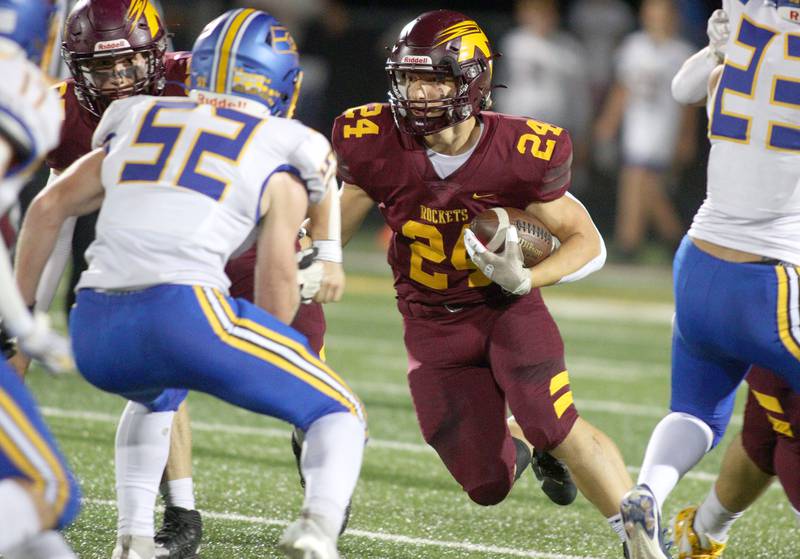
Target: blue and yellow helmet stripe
[{"x": 248, "y": 53}]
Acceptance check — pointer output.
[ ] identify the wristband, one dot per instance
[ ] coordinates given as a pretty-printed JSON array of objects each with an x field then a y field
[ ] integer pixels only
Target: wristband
[{"x": 328, "y": 250}]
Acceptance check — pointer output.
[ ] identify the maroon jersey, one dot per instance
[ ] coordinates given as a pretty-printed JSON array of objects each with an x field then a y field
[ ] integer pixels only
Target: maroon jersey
[
  {"x": 79, "y": 124},
  {"x": 517, "y": 161}
]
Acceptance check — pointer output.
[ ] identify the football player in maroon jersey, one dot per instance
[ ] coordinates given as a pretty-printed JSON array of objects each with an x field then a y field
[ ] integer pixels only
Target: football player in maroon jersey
[{"x": 479, "y": 341}]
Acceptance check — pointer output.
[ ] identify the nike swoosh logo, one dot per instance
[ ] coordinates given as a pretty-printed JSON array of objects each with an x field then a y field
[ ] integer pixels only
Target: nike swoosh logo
[{"x": 476, "y": 196}]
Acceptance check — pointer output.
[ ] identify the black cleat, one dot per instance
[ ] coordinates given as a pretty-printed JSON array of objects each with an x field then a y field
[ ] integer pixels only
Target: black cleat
[
  {"x": 523, "y": 457},
  {"x": 180, "y": 534},
  {"x": 297, "y": 450},
  {"x": 554, "y": 478}
]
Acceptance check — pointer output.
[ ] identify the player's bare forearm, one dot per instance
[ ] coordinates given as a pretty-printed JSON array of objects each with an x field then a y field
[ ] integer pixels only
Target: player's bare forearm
[
  {"x": 276, "y": 288},
  {"x": 78, "y": 191},
  {"x": 581, "y": 243},
  {"x": 319, "y": 226},
  {"x": 356, "y": 204},
  {"x": 326, "y": 233}
]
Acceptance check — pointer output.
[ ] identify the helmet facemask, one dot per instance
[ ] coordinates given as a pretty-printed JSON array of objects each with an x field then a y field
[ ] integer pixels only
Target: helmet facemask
[
  {"x": 428, "y": 116},
  {"x": 103, "y": 78}
]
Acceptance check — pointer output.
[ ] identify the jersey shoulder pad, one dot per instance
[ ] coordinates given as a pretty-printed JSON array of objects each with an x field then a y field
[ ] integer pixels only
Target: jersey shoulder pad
[
  {"x": 310, "y": 157},
  {"x": 541, "y": 154},
  {"x": 177, "y": 67},
  {"x": 359, "y": 134}
]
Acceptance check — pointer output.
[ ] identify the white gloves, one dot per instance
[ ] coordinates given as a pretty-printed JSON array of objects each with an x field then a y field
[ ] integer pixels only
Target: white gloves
[
  {"x": 504, "y": 269},
  {"x": 45, "y": 345},
  {"x": 310, "y": 272},
  {"x": 718, "y": 31}
]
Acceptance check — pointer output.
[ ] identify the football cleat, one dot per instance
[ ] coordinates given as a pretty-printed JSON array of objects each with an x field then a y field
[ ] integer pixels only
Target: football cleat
[
  {"x": 554, "y": 478},
  {"x": 297, "y": 450},
  {"x": 180, "y": 534},
  {"x": 305, "y": 539},
  {"x": 642, "y": 521},
  {"x": 134, "y": 547},
  {"x": 690, "y": 544}
]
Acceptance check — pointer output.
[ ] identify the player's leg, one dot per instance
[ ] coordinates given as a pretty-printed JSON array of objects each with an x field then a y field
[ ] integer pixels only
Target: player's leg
[
  {"x": 197, "y": 338},
  {"x": 250, "y": 359},
  {"x": 447, "y": 377},
  {"x": 38, "y": 494},
  {"x": 141, "y": 449},
  {"x": 704, "y": 382},
  {"x": 747, "y": 470},
  {"x": 309, "y": 321},
  {"x": 660, "y": 208},
  {"x": 532, "y": 373},
  {"x": 631, "y": 211},
  {"x": 182, "y": 530}
]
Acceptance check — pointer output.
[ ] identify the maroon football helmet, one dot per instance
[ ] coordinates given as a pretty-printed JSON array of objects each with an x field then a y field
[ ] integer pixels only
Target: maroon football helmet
[
  {"x": 114, "y": 49},
  {"x": 446, "y": 45}
]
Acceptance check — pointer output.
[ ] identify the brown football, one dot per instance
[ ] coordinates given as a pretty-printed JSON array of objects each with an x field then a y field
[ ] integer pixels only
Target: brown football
[{"x": 536, "y": 242}]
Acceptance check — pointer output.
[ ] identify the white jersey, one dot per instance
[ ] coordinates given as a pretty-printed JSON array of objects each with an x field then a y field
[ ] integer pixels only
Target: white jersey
[
  {"x": 30, "y": 117},
  {"x": 184, "y": 183},
  {"x": 651, "y": 121},
  {"x": 753, "y": 199}
]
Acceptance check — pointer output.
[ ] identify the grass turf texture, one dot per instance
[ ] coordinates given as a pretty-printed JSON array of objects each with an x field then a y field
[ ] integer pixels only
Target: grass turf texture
[{"x": 616, "y": 326}]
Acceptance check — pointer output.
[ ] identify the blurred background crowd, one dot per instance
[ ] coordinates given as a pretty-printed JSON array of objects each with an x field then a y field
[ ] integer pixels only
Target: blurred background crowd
[{"x": 600, "y": 68}]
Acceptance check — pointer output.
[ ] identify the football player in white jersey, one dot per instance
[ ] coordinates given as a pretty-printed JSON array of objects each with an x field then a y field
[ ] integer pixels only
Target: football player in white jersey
[
  {"x": 38, "y": 493},
  {"x": 736, "y": 273},
  {"x": 181, "y": 184}
]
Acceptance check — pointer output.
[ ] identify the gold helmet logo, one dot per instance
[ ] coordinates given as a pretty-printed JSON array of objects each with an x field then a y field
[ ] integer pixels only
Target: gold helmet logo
[
  {"x": 472, "y": 37},
  {"x": 138, "y": 8}
]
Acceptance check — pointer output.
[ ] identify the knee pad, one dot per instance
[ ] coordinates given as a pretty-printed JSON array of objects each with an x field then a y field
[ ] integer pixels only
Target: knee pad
[{"x": 491, "y": 493}]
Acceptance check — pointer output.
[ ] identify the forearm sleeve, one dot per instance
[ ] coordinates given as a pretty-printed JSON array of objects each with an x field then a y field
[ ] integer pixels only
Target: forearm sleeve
[{"x": 690, "y": 84}]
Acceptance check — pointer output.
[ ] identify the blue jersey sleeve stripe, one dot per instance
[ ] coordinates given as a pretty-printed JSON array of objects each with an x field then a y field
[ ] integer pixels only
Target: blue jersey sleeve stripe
[{"x": 291, "y": 169}]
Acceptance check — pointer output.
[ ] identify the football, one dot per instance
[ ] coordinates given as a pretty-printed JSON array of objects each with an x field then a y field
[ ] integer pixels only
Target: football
[{"x": 536, "y": 242}]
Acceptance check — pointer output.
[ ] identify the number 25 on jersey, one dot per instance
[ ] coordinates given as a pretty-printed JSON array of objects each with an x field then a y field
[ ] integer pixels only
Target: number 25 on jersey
[{"x": 741, "y": 81}]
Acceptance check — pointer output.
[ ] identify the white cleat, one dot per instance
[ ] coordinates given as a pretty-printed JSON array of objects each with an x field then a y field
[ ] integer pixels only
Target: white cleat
[
  {"x": 304, "y": 539},
  {"x": 642, "y": 522},
  {"x": 134, "y": 547}
]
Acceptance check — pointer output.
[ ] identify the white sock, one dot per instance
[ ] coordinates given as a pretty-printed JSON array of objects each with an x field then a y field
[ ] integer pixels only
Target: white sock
[
  {"x": 179, "y": 493},
  {"x": 713, "y": 519},
  {"x": 47, "y": 545},
  {"x": 678, "y": 442},
  {"x": 18, "y": 517},
  {"x": 618, "y": 526},
  {"x": 331, "y": 460},
  {"x": 142, "y": 447}
]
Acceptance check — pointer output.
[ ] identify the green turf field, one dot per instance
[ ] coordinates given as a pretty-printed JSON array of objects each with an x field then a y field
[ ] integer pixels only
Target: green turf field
[{"x": 616, "y": 325}]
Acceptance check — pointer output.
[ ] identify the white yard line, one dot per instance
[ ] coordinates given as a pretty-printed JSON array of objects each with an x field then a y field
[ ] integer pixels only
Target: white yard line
[
  {"x": 378, "y": 536},
  {"x": 276, "y": 433}
]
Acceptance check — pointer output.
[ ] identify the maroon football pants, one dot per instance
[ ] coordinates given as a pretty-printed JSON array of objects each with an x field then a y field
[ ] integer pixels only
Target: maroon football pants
[
  {"x": 466, "y": 366},
  {"x": 771, "y": 429},
  {"x": 310, "y": 318}
]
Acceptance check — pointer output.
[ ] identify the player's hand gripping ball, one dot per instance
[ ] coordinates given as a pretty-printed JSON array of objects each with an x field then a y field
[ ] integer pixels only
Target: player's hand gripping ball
[{"x": 535, "y": 241}]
